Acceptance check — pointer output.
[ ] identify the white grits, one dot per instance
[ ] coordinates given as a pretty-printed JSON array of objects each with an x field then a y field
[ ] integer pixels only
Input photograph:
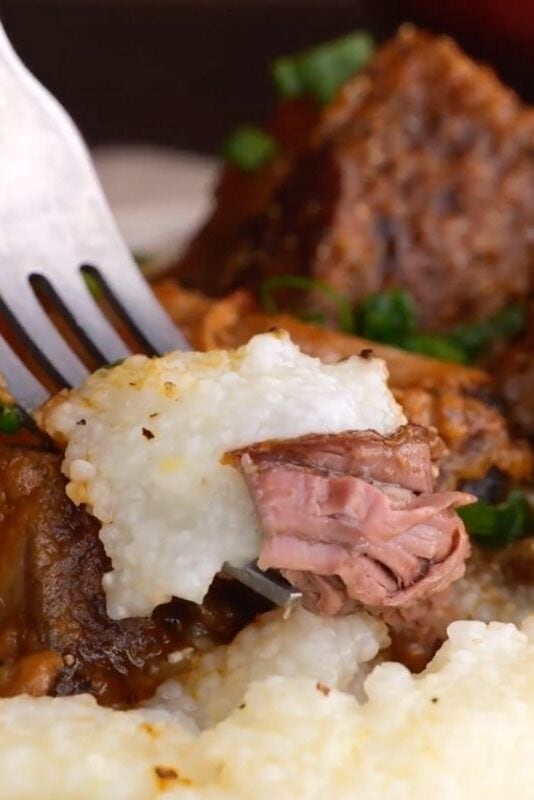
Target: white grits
[
  {"x": 462, "y": 730},
  {"x": 144, "y": 443}
]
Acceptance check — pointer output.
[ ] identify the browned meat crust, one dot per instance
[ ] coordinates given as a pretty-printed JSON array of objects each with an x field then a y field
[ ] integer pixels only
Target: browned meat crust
[
  {"x": 474, "y": 431},
  {"x": 241, "y": 196},
  {"x": 55, "y": 635},
  {"x": 51, "y": 565},
  {"x": 421, "y": 174},
  {"x": 404, "y": 458},
  {"x": 453, "y": 399}
]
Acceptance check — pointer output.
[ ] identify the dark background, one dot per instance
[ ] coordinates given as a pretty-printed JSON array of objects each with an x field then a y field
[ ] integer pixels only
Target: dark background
[{"x": 184, "y": 72}]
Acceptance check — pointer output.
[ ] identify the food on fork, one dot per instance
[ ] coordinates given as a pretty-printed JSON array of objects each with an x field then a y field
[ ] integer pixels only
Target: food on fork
[
  {"x": 352, "y": 518},
  {"x": 181, "y": 417},
  {"x": 390, "y": 487}
]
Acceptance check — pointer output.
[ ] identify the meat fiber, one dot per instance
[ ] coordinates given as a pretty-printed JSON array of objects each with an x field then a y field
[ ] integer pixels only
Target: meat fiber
[{"x": 352, "y": 519}]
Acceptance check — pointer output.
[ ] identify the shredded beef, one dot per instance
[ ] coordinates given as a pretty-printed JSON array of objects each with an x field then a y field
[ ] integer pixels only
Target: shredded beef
[{"x": 351, "y": 518}]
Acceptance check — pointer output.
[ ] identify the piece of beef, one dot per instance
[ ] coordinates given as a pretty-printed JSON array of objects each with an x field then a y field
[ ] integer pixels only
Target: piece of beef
[
  {"x": 51, "y": 600},
  {"x": 404, "y": 458},
  {"x": 55, "y": 635},
  {"x": 458, "y": 401},
  {"x": 351, "y": 518},
  {"x": 420, "y": 175},
  {"x": 241, "y": 196}
]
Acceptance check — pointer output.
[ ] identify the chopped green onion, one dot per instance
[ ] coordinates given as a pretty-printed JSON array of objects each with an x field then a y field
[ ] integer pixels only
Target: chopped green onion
[
  {"x": 389, "y": 317},
  {"x": 249, "y": 148},
  {"x": 439, "y": 347},
  {"x": 286, "y": 77},
  {"x": 269, "y": 287},
  {"x": 319, "y": 71},
  {"x": 476, "y": 337},
  {"x": 10, "y": 419},
  {"x": 497, "y": 525}
]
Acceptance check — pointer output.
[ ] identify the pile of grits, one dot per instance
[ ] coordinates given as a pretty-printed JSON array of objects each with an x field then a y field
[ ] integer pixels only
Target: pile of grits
[{"x": 462, "y": 729}]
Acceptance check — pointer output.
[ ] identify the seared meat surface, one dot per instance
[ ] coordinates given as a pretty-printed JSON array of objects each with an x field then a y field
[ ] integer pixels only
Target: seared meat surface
[
  {"x": 474, "y": 430},
  {"x": 55, "y": 635},
  {"x": 351, "y": 518},
  {"x": 420, "y": 175},
  {"x": 51, "y": 566},
  {"x": 458, "y": 401}
]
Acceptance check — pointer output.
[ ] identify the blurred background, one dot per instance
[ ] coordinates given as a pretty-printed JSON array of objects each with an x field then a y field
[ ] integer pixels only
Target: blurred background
[
  {"x": 184, "y": 72},
  {"x": 181, "y": 74}
]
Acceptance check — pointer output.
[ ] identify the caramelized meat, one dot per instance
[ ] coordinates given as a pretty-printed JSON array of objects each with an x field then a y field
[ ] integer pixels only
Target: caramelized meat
[
  {"x": 457, "y": 401},
  {"x": 51, "y": 565},
  {"x": 475, "y": 433},
  {"x": 241, "y": 196},
  {"x": 351, "y": 518},
  {"x": 404, "y": 458},
  {"x": 419, "y": 175},
  {"x": 55, "y": 635}
]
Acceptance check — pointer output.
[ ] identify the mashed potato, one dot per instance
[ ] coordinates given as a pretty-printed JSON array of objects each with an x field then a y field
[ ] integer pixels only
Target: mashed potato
[
  {"x": 461, "y": 730},
  {"x": 144, "y": 443}
]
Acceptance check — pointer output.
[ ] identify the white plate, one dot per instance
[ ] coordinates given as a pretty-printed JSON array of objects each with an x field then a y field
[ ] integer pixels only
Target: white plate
[{"x": 159, "y": 196}]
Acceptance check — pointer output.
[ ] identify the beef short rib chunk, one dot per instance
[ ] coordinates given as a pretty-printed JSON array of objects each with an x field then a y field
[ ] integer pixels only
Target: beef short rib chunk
[{"x": 419, "y": 175}]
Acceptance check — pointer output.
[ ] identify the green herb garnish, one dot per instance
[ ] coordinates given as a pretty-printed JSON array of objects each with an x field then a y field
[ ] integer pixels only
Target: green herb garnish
[
  {"x": 249, "y": 148},
  {"x": 497, "y": 525},
  {"x": 391, "y": 317},
  {"x": 319, "y": 71},
  {"x": 439, "y": 347},
  {"x": 269, "y": 287},
  {"x": 388, "y": 317},
  {"x": 11, "y": 419},
  {"x": 476, "y": 337}
]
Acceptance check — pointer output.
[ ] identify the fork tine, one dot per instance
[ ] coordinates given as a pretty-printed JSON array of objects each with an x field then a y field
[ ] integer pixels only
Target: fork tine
[
  {"x": 27, "y": 389},
  {"x": 88, "y": 318},
  {"x": 139, "y": 305},
  {"x": 22, "y": 304}
]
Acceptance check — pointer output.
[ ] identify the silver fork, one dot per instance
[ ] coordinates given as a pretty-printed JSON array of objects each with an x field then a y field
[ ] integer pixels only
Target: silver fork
[{"x": 55, "y": 221}]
